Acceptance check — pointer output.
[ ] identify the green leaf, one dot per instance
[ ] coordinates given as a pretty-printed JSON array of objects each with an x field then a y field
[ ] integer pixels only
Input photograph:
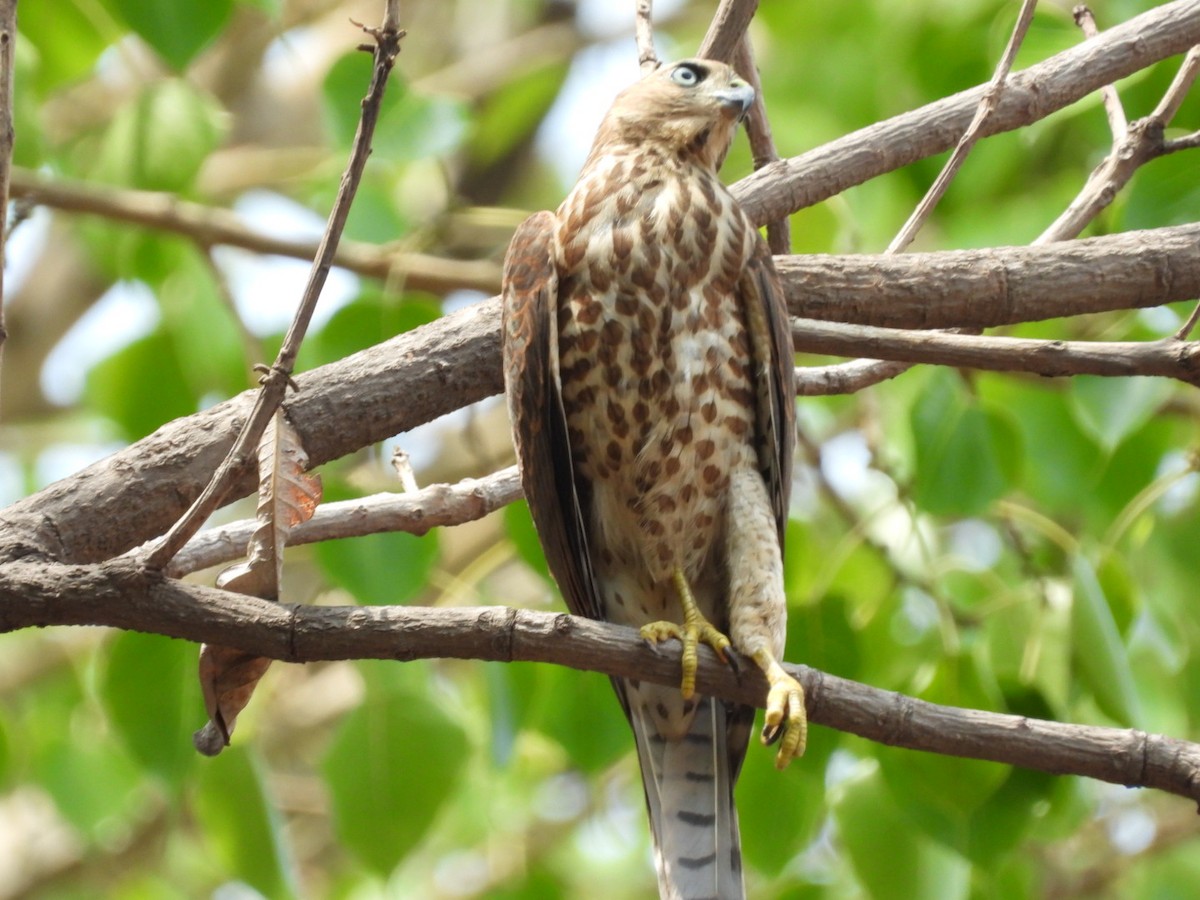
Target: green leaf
[
  {"x": 1064, "y": 461},
  {"x": 191, "y": 305},
  {"x": 152, "y": 695},
  {"x": 521, "y": 531},
  {"x": 411, "y": 126},
  {"x": 158, "y": 140},
  {"x": 781, "y": 812},
  {"x": 371, "y": 318},
  {"x": 1111, "y": 409},
  {"x": 1163, "y": 193},
  {"x": 93, "y": 782},
  {"x": 512, "y": 114},
  {"x": 819, "y": 635},
  {"x": 890, "y": 857},
  {"x": 178, "y": 31},
  {"x": 1004, "y": 820},
  {"x": 577, "y": 709},
  {"x": 271, "y": 7},
  {"x": 69, "y": 36},
  {"x": 379, "y": 569},
  {"x": 29, "y": 145},
  {"x": 117, "y": 387},
  {"x": 942, "y": 794},
  {"x": 5, "y": 751},
  {"x": 394, "y": 763},
  {"x": 1097, "y": 649},
  {"x": 241, "y": 825},
  {"x": 967, "y": 456}
]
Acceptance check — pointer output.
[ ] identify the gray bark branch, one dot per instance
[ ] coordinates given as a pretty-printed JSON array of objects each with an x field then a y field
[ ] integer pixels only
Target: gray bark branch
[
  {"x": 123, "y": 596},
  {"x": 1029, "y": 95}
]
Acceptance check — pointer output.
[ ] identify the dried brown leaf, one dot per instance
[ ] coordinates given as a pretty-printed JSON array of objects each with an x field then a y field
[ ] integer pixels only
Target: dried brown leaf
[{"x": 287, "y": 496}]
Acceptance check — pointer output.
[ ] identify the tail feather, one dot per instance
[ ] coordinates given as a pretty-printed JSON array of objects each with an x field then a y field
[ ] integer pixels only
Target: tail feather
[{"x": 688, "y": 770}]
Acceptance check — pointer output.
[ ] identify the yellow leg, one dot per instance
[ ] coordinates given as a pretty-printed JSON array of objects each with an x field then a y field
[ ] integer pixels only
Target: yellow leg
[
  {"x": 694, "y": 630},
  {"x": 786, "y": 718}
]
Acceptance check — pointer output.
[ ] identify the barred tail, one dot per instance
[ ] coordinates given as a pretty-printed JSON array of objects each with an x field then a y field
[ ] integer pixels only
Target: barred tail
[{"x": 689, "y": 781}]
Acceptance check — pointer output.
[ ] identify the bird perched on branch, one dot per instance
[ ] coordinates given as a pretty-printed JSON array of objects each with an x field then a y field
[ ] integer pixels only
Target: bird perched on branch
[{"x": 649, "y": 371}]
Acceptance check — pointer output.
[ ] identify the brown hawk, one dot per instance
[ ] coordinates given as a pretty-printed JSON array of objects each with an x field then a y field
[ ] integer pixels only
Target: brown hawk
[{"x": 648, "y": 363}]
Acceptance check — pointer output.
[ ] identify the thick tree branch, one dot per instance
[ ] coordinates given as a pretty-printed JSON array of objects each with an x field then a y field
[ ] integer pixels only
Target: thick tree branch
[
  {"x": 135, "y": 494},
  {"x": 726, "y": 29},
  {"x": 997, "y": 286},
  {"x": 1029, "y": 95},
  {"x": 122, "y": 596},
  {"x": 213, "y": 226}
]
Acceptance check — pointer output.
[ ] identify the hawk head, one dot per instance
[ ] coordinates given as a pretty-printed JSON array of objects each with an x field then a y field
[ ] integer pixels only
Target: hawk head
[{"x": 691, "y": 108}]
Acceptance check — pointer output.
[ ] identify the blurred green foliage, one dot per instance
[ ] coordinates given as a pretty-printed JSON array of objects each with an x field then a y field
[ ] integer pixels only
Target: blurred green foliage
[{"x": 998, "y": 542}]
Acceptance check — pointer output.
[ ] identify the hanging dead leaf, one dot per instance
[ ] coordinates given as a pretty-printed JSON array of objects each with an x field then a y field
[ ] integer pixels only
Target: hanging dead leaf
[
  {"x": 227, "y": 679},
  {"x": 287, "y": 496}
]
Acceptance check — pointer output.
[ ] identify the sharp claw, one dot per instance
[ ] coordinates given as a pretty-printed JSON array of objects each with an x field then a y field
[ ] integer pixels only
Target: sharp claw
[
  {"x": 731, "y": 660},
  {"x": 786, "y": 721},
  {"x": 771, "y": 734}
]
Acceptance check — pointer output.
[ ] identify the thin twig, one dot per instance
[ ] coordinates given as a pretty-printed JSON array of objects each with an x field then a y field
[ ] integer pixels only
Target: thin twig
[
  {"x": 1117, "y": 122},
  {"x": 1187, "y": 142},
  {"x": 1169, "y": 105},
  {"x": 1186, "y": 328},
  {"x": 643, "y": 28},
  {"x": 1140, "y": 142},
  {"x": 434, "y": 506},
  {"x": 845, "y": 378},
  {"x": 987, "y": 105},
  {"x": 275, "y": 383},
  {"x": 762, "y": 144}
]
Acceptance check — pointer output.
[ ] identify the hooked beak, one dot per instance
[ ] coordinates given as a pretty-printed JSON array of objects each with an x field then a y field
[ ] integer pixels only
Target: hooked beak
[{"x": 738, "y": 97}]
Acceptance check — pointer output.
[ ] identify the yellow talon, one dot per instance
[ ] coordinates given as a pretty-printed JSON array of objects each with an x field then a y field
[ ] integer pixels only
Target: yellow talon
[
  {"x": 786, "y": 718},
  {"x": 696, "y": 629}
]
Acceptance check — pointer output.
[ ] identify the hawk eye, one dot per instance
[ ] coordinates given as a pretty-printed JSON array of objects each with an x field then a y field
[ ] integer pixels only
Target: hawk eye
[{"x": 688, "y": 75}]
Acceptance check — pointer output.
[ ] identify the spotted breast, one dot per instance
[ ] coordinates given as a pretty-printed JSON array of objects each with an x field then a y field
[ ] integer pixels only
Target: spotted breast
[{"x": 655, "y": 369}]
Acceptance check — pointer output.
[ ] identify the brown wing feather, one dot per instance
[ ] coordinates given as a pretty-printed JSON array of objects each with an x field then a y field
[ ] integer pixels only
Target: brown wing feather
[
  {"x": 775, "y": 377},
  {"x": 529, "y": 329}
]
